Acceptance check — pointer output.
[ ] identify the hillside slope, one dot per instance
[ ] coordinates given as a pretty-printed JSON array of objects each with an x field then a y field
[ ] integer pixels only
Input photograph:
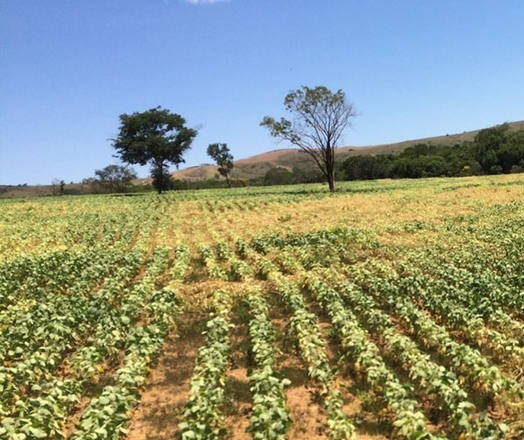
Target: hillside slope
[{"x": 258, "y": 165}]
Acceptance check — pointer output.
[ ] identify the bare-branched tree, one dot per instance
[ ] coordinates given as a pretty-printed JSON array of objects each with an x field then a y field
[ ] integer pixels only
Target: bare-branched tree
[{"x": 320, "y": 118}]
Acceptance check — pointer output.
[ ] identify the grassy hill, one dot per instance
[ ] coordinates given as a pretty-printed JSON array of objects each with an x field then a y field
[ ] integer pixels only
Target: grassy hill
[{"x": 257, "y": 166}]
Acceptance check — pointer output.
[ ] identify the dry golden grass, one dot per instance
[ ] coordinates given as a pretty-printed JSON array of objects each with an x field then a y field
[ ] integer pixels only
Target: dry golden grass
[{"x": 258, "y": 165}]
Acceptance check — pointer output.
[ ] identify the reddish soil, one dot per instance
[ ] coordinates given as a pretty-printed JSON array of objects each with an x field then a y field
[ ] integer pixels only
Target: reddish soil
[
  {"x": 239, "y": 405},
  {"x": 158, "y": 414},
  {"x": 303, "y": 401}
]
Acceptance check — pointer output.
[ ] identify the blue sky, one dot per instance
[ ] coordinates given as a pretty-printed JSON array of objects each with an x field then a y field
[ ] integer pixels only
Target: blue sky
[{"x": 411, "y": 68}]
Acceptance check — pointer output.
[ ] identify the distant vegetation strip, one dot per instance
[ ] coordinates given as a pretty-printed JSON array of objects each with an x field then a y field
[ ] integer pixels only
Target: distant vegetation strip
[{"x": 495, "y": 150}]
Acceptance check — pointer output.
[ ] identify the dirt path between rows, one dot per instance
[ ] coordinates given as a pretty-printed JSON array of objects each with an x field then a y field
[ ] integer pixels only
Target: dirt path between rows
[{"x": 159, "y": 412}]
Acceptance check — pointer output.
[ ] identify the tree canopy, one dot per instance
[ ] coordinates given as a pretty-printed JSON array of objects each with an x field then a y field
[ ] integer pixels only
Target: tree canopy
[
  {"x": 157, "y": 137},
  {"x": 488, "y": 144},
  {"x": 115, "y": 178},
  {"x": 224, "y": 159},
  {"x": 494, "y": 150},
  {"x": 320, "y": 118}
]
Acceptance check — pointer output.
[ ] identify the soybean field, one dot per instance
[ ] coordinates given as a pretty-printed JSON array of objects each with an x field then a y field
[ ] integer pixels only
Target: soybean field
[{"x": 391, "y": 309}]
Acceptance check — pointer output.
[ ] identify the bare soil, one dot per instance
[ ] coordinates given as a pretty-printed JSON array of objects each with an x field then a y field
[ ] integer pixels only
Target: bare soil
[{"x": 159, "y": 412}]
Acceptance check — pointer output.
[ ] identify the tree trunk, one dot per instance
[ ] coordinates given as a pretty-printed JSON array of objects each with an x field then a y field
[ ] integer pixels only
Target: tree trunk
[
  {"x": 331, "y": 181},
  {"x": 330, "y": 170},
  {"x": 228, "y": 181},
  {"x": 161, "y": 180}
]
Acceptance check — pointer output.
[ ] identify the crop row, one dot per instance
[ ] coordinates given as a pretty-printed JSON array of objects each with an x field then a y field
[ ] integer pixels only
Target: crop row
[
  {"x": 49, "y": 400},
  {"x": 203, "y": 418}
]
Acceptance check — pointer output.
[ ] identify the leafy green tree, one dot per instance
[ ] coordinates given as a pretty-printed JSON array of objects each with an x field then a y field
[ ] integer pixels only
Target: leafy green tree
[
  {"x": 487, "y": 144},
  {"x": 161, "y": 178},
  {"x": 494, "y": 150},
  {"x": 511, "y": 153},
  {"x": 320, "y": 118},
  {"x": 224, "y": 159},
  {"x": 115, "y": 178},
  {"x": 359, "y": 167},
  {"x": 278, "y": 176},
  {"x": 306, "y": 175},
  {"x": 157, "y": 137}
]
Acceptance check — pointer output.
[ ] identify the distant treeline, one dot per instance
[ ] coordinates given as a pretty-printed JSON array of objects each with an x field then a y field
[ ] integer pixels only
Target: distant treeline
[{"x": 494, "y": 150}]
